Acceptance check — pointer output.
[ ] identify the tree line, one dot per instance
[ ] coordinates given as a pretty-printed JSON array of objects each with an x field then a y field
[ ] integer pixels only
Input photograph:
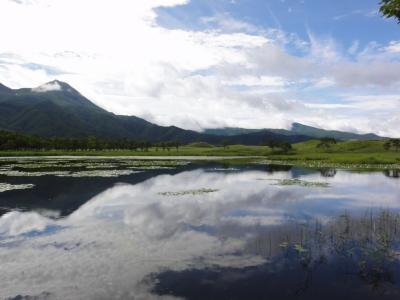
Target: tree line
[
  {"x": 392, "y": 144},
  {"x": 17, "y": 141}
]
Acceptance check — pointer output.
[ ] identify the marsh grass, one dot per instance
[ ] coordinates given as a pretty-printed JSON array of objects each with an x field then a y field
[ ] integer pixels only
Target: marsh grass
[{"x": 371, "y": 243}]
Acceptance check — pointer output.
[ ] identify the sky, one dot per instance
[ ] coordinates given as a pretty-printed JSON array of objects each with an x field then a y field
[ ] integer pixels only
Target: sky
[{"x": 213, "y": 63}]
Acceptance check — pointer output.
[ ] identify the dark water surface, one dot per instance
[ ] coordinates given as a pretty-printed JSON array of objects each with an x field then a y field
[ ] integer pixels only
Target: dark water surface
[{"x": 200, "y": 231}]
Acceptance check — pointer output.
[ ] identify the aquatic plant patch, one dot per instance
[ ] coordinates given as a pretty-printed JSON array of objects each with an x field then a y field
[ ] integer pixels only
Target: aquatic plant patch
[
  {"x": 189, "y": 192},
  {"x": 148, "y": 164},
  {"x": 13, "y": 173},
  {"x": 223, "y": 169},
  {"x": 99, "y": 173},
  {"x": 317, "y": 164},
  {"x": 9, "y": 187},
  {"x": 286, "y": 182}
]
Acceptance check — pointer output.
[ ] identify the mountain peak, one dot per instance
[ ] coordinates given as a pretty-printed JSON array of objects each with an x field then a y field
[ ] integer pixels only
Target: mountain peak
[
  {"x": 55, "y": 85},
  {"x": 60, "y": 83},
  {"x": 297, "y": 125}
]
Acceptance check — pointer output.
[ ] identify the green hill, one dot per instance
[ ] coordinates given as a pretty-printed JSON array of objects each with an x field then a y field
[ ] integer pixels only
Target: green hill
[{"x": 341, "y": 147}]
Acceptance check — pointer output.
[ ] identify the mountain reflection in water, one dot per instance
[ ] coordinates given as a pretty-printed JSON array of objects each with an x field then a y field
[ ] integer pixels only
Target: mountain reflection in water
[{"x": 247, "y": 237}]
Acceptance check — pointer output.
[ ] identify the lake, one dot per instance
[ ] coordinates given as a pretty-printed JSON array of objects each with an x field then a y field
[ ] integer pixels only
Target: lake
[{"x": 178, "y": 229}]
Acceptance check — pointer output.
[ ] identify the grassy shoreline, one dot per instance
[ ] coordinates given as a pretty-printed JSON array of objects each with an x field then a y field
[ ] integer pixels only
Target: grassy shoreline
[{"x": 353, "y": 154}]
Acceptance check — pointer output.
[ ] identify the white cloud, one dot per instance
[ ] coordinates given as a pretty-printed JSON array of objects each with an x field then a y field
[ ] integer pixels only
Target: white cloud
[
  {"x": 394, "y": 47},
  {"x": 48, "y": 87},
  {"x": 16, "y": 223},
  {"x": 375, "y": 73}
]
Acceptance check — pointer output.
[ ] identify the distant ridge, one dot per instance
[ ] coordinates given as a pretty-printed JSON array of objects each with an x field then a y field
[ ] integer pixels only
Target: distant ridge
[
  {"x": 57, "y": 109},
  {"x": 297, "y": 129}
]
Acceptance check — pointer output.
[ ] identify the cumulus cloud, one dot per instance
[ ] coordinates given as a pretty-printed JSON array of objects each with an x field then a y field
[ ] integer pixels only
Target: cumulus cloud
[
  {"x": 363, "y": 74},
  {"x": 16, "y": 223}
]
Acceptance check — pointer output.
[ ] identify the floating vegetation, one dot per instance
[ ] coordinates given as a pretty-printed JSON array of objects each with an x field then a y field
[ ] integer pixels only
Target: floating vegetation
[
  {"x": 9, "y": 187},
  {"x": 189, "y": 192},
  {"x": 32, "y": 174},
  {"x": 223, "y": 169},
  {"x": 83, "y": 168},
  {"x": 102, "y": 166},
  {"x": 155, "y": 164},
  {"x": 153, "y": 168},
  {"x": 316, "y": 164},
  {"x": 100, "y": 173},
  {"x": 301, "y": 183}
]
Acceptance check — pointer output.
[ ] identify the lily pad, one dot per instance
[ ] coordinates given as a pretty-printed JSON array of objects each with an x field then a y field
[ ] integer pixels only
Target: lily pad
[
  {"x": 13, "y": 173},
  {"x": 304, "y": 183},
  {"x": 189, "y": 192},
  {"x": 99, "y": 173},
  {"x": 9, "y": 187}
]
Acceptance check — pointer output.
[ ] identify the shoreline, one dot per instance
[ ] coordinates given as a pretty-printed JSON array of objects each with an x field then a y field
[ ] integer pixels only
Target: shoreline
[{"x": 294, "y": 161}]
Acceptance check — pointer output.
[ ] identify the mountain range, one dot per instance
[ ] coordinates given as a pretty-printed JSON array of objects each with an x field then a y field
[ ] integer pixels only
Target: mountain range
[
  {"x": 297, "y": 129},
  {"x": 57, "y": 109}
]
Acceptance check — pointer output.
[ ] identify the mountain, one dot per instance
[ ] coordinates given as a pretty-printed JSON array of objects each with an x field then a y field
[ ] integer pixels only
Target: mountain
[
  {"x": 229, "y": 131},
  {"x": 4, "y": 89},
  {"x": 57, "y": 109},
  {"x": 301, "y": 129},
  {"x": 296, "y": 130}
]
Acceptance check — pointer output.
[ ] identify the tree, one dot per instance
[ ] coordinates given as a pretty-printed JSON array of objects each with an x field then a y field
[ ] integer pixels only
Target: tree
[
  {"x": 281, "y": 146},
  {"x": 387, "y": 145},
  {"x": 285, "y": 147},
  {"x": 326, "y": 142},
  {"x": 392, "y": 143},
  {"x": 177, "y": 144},
  {"x": 396, "y": 144},
  {"x": 225, "y": 143},
  {"x": 272, "y": 144},
  {"x": 390, "y": 9}
]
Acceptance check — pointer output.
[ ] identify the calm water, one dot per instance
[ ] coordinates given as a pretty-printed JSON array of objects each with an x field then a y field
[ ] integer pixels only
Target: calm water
[{"x": 200, "y": 231}]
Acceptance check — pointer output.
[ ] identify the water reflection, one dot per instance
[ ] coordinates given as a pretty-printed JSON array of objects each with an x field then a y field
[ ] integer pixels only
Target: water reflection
[
  {"x": 328, "y": 172},
  {"x": 248, "y": 239},
  {"x": 392, "y": 173},
  {"x": 62, "y": 196}
]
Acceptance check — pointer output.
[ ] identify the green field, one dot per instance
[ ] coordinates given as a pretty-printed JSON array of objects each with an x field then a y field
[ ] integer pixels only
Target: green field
[
  {"x": 369, "y": 154},
  {"x": 235, "y": 150}
]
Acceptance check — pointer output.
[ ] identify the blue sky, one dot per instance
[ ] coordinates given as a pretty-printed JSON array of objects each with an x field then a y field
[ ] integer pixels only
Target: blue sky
[
  {"x": 213, "y": 63},
  {"x": 345, "y": 21}
]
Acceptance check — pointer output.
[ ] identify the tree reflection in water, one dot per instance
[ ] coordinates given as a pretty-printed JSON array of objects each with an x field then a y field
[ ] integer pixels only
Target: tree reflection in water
[
  {"x": 328, "y": 172},
  {"x": 392, "y": 173}
]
